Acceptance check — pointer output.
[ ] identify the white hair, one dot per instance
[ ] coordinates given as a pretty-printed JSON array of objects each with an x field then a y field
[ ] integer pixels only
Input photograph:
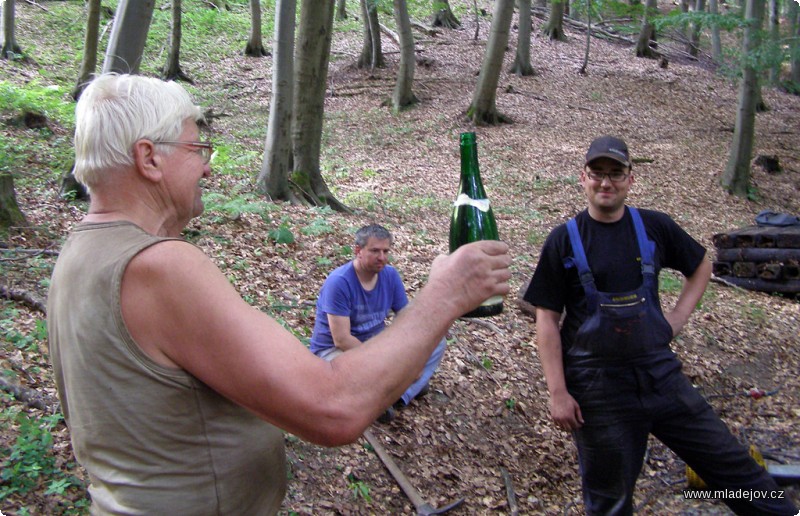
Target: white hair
[{"x": 115, "y": 111}]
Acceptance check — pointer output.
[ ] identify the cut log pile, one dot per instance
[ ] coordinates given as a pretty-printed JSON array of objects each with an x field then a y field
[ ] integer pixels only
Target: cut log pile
[{"x": 766, "y": 259}]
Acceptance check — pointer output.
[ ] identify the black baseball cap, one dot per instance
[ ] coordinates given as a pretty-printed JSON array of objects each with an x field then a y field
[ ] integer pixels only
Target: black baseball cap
[{"x": 608, "y": 147}]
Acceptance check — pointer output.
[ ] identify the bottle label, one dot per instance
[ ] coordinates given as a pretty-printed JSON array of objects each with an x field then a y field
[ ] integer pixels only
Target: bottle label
[
  {"x": 494, "y": 300},
  {"x": 464, "y": 200}
]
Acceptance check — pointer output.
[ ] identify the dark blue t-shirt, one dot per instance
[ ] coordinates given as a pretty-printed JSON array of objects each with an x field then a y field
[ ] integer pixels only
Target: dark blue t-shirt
[{"x": 342, "y": 294}]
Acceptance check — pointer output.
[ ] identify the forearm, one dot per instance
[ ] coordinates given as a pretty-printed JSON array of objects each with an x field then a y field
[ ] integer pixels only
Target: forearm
[
  {"x": 548, "y": 342},
  {"x": 346, "y": 342}
]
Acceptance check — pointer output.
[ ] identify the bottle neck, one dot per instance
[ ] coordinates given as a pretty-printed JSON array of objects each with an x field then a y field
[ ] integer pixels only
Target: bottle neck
[{"x": 470, "y": 172}]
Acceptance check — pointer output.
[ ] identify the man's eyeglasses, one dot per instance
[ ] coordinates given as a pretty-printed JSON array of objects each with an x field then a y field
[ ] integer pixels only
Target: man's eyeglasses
[
  {"x": 615, "y": 177},
  {"x": 205, "y": 149}
]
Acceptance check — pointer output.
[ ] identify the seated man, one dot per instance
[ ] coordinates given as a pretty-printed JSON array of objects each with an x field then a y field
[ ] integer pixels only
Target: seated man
[{"x": 354, "y": 302}]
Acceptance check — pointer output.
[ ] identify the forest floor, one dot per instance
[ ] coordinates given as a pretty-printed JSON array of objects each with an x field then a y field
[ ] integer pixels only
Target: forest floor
[{"x": 487, "y": 411}]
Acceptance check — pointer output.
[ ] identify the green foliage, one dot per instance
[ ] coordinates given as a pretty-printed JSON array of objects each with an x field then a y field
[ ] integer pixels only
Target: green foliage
[
  {"x": 47, "y": 101},
  {"x": 17, "y": 339},
  {"x": 511, "y": 404},
  {"x": 486, "y": 362},
  {"x": 669, "y": 282},
  {"x": 359, "y": 488},
  {"x": 234, "y": 207},
  {"x": 282, "y": 234},
  {"x": 30, "y": 461}
]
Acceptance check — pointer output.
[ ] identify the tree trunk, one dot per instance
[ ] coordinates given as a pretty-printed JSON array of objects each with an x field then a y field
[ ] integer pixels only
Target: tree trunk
[
  {"x": 647, "y": 33},
  {"x": 10, "y": 214},
  {"x": 403, "y": 96},
  {"x": 341, "y": 10},
  {"x": 483, "y": 109},
  {"x": 128, "y": 37},
  {"x": 443, "y": 15},
  {"x": 554, "y": 29},
  {"x": 585, "y": 65},
  {"x": 89, "y": 61},
  {"x": 371, "y": 51},
  {"x": 775, "y": 42},
  {"x": 311, "y": 74},
  {"x": 10, "y": 49},
  {"x": 273, "y": 180},
  {"x": 794, "y": 46},
  {"x": 736, "y": 179},
  {"x": 699, "y": 6},
  {"x": 716, "y": 41},
  {"x": 172, "y": 69},
  {"x": 255, "y": 45},
  {"x": 522, "y": 58}
]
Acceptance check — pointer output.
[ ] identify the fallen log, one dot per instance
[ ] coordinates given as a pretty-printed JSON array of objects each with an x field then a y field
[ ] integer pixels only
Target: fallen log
[
  {"x": 30, "y": 397},
  {"x": 721, "y": 269},
  {"x": 758, "y": 236},
  {"x": 758, "y": 254},
  {"x": 769, "y": 271},
  {"x": 744, "y": 269},
  {"x": 761, "y": 285}
]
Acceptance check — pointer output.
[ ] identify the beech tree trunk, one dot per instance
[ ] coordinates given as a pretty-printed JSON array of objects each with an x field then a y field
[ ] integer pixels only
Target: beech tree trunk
[
  {"x": 647, "y": 33},
  {"x": 128, "y": 37},
  {"x": 403, "y": 96},
  {"x": 255, "y": 45},
  {"x": 775, "y": 41},
  {"x": 273, "y": 179},
  {"x": 311, "y": 75},
  {"x": 443, "y": 15},
  {"x": 483, "y": 109},
  {"x": 794, "y": 46},
  {"x": 371, "y": 51},
  {"x": 341, "y": 10},
  {"x": 716, "y": 41},
  {"x": 554, "y": 29},
  {"x": 10, "y": 48},
  {"x": 10, "y": 214},
  {"x": 736, "y": 179},
  {"x": 89, "y": 61},
  {"x": 172, "y": 69},
  {"x": 698, "y": 6},
  {"x": 522, "y": 57}
]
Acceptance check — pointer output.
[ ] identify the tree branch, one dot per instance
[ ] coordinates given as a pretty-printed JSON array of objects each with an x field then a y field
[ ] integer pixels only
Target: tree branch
[{"x": 27, "y": 298}]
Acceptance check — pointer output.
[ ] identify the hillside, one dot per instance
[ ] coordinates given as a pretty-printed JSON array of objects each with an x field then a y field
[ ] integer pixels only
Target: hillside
[{"x": 487, "y": 411}]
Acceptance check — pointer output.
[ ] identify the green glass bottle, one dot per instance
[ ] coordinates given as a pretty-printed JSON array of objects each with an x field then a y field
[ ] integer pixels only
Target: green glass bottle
[{"x": 473, "y": 219}]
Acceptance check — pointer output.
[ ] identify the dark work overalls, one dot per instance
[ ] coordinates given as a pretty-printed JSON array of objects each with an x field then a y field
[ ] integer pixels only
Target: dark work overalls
[{"x": 628, "y": 384}]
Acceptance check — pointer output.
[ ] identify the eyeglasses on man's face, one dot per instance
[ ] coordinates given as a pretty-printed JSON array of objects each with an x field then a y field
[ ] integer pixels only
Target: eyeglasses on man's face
[
  {"x": 205, "y": 149},
  {"x": 615, "y": 176}
]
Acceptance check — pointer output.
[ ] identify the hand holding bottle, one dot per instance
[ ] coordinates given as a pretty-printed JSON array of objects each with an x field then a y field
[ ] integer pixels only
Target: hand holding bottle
[{"x": 473, "y": 273}]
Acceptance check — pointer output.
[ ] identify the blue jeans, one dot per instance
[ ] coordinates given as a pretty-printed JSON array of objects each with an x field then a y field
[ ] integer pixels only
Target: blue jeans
[{"x": 611, "y": 449}]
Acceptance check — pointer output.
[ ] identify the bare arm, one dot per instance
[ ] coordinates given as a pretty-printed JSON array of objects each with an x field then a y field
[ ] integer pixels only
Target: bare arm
[
  {"x": 183, "y": 312},
  {"x": 693, "y": 288},
  {"x": 564, "y": 409},
  {"x": 340, "y": 331}
]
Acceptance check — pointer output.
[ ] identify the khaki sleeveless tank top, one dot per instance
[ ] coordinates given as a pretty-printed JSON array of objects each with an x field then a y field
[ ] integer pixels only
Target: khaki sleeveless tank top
[{"x": 154, "y": 440}]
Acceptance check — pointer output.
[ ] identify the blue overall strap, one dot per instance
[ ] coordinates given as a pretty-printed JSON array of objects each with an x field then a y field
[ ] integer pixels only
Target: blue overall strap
[
  {"x": 646, "y": 247},
  {"x": 580, "y": 262}
]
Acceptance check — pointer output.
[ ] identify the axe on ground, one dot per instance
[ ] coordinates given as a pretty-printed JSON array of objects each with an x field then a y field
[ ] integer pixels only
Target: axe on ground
[{"x": 423, "y": 508}]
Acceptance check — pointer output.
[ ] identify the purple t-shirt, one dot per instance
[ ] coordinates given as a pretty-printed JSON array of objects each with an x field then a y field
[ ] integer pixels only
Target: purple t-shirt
[{"x": 342, "y": 294}]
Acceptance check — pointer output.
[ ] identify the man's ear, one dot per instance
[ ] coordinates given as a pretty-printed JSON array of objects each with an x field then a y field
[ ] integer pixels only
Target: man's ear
[{"x": 147, "y": 161}]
